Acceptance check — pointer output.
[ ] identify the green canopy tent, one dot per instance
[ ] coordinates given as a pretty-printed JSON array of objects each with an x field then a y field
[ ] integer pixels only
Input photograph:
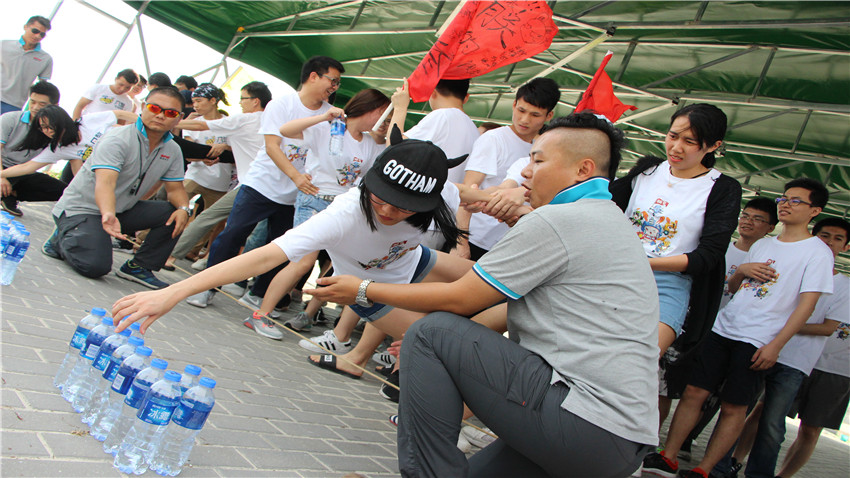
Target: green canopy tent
[{"x": 780, "y": 70}]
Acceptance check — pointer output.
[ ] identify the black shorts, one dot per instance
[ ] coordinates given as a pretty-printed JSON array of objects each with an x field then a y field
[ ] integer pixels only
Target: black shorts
[
  {"x": 822, "y": 400},
  {"x": 730, "y": 360}
]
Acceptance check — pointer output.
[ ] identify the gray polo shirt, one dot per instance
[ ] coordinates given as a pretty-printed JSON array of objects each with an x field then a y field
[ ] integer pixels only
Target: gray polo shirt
[
  {"x": 13, "y": 127},
  {"x": 18, "y": 69},
  {"x": 584, "y": 299},
  {"x": 124, "y": 150}
]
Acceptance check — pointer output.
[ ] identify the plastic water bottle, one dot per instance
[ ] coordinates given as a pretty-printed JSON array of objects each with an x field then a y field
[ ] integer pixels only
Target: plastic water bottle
[
  {"x": 176, "y": 444},
  {"x": 82, "y": 401},
  {"x": 87, "y": 354},
  {"x": 77, "y": 341},
  {"x": 135, "y": 330},
  {"x": 337, "y": 135},
  {"x": 151, "y": 421},
  {"x": 100, "y": 397},
  {"x": 132, "y": 402},
  {"x": 127, "y": 371},
  {"x": 191, "y": 378},
  {"x": 6, "y": 218},
  {"x": 14, "y": 255}
]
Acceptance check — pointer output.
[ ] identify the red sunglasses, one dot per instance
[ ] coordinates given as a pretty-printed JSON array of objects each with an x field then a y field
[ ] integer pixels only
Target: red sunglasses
[{"x": 156, "y": 109}]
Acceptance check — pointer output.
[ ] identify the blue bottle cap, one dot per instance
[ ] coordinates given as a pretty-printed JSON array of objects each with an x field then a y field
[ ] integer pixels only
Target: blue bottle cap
[
  {"x": 192, "y": 370},
  {"x": 137, "y": 341},
  {"x": 125, "y": 332},
  {"x": 144, "y": 351},
  {"x": 98, "y": 311},
  {"x": 207, "y": 382},
  {"x": 107, "y": 321},
  {"x": 159, "y": 363},
  {"x": 172, "y": 376},
  {"x": 134, "y": 326}
]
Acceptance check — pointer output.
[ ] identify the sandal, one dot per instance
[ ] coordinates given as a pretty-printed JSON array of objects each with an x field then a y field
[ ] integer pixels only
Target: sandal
[{"x": 328, "y": 362}]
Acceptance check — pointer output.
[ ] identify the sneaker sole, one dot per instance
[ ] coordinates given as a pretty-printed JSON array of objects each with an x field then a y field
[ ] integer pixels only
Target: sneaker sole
[
  {"x": 385, "y": 396},
  {"x": 50, "y": 255},
  {"x": 665, "y": 474},
  {"x": 135, "y": 279},
  {"x": 248, "y": 324},
  {"x": 200, "y": 305}
]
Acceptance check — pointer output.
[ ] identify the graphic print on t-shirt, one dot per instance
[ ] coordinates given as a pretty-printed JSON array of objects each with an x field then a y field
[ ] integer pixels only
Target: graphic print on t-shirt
[
  {"x": 760, "y": 289},
  {"x": 654, "y": 228},
  {"x": 108, "y": 100},
  {"x": 729, "y": 274},
  {"x": 296, "y": 155},
  {"x": 397, "y": 251},
  {"x": 349, "y": 173},
  {"x": 843, "y": 331}
]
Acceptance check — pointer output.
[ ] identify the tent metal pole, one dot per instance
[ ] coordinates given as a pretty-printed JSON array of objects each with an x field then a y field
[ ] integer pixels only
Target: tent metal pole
[
  {"x": 630, "y": 118},
  {"x": 760, "y": 119},
  {"x": 741, "y": 25},
  {"x": 302, "y": 14},
  {"x": 572, "y": 56},
  {"x": 55, "y": 9},
  {"x": 307, "y": 33},
  {"x": 626, "y": 59},
  {"x": 576, "y": 23},
  {"x": 123, "y": 39},
  {"x": 723, "y": 46},
  {"x": 217, "y": 65},
  {"x": 701, "y": 67},
  {"x": 107, "y": 15},
  {"x": 493, "y": 108},
  {"x": 144, "y": 48},
  {"x": 802, "y": 130},
  {"x": 747, "y": 176},
  {"x": 357, "y": 15},
  {"x": 826, "y": 108},
  {"x": 763, "y": 74},
  {"x": 233, "y": 44}
]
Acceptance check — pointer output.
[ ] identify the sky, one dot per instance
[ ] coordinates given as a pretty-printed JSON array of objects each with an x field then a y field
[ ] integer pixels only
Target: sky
[{"x": 82, "y": 40}]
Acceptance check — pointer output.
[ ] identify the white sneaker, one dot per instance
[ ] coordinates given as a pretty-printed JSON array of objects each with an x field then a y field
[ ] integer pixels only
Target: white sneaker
[
  {"x": 477, "y": 437},
  {"x": 234, "y": 289},
  {"x": 200, "y": 264},
  {"x": 254, "y": 302},
  {"x": 328, "y": 340},
  {"x": 463, "y": 445},
  {"x": 201, "y": 299},
  {"x": 384, "y": 358}
]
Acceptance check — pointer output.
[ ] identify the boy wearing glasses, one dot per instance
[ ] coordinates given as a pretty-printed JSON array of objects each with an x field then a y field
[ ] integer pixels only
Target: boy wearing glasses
[
  {"x": 21, "y": 62},
  {"x": 769, "y": 306}
]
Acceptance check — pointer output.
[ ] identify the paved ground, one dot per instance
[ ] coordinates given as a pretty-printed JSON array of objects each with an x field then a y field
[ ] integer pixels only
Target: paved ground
[{"x": 275, "y": 415}]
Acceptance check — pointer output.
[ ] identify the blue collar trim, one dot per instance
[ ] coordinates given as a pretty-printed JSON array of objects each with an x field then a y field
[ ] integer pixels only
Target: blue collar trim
[
  {"x": 593, "y": 188},
  {"x": 141, "y": 127},
  {"x": 25, "y": 118},
  {"x": 23, "y": 43}
]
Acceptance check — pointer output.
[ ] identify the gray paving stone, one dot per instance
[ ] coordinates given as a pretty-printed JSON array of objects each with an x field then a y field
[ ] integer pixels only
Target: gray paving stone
[
  {"x": 310, "y": 445},
  {"x": 240, "y": 472},
  {"x": 350, "y": 464},
  {"x": 251, "y": 410},
  {"x": 208, "y": 455},
  {"x": 307, "y": 430},
  {"x": 21, "y": 381},
  {"x": 18, "y": 352},
  {"x": 370, "y": 436},
  {"x": 284, "y": 460},
  {"x": 221, "y": 437},
  {"x": 10, "y": 399},
  {"x": 241, "y": 423},
  {"x": 46, "y": 401},
  {"x": 76, "y": 445},
  {"x": 39, "y": 421},
  {"x": 36, "y": 368},
  {"x": 22, "y": 444},
  {"x": 363, "y": 449},
  {"x": 52, "y": 467}
]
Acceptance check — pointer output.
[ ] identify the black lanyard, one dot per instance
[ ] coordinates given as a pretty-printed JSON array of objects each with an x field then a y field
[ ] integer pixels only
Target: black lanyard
[{"x": 134, "y": 189}]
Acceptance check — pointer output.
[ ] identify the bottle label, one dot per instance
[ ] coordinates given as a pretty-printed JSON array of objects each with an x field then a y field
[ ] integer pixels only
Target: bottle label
[
  {"x": 91, "y": 351},
  {"x": 111, "y": 370},
  {"x": 79, "y": 338},
  {"x": 192, "y": 418},
  {"x": 101, "y": 360},
  {"x": 136, "y": 394},
  {"x": 157, "y": 411}
]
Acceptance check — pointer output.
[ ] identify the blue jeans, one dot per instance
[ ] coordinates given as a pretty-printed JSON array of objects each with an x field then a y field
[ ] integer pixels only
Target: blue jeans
[
  {"x": 6, "y": 107},
  {"x": 674, "y": 295},
  {"x": 781, "y": 384},
  {"x": 307, "y": 206}
]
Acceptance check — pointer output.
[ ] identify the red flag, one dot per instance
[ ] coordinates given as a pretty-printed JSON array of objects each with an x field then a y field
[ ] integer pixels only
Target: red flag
[
  {"x": 484, "y": 36},
  {"x": 599, "y": 96}
]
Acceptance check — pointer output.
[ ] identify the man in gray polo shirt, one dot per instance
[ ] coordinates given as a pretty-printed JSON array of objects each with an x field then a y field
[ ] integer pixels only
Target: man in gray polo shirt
[
  {"x": 21, "y": 61},
  {"x": 104, "y": 199},
  {"x": 573, "y": 393}
]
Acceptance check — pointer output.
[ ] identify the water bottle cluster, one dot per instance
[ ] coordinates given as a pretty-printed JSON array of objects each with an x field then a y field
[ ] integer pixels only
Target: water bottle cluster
[
  {"x": 145, "y": 416},
  {"x": 14, "y": 242}
]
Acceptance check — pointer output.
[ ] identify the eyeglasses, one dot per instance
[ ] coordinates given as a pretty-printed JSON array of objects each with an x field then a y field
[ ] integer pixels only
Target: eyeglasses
[
  {"x": 334, "y": 81},
  {"x": 156, "y": 109},
  {"x": 755, "y": 219},
  {"x": 243, "y": 98},
  {"x": 377, "y": 201},
  {"x": 36, "y": 31},
  {"x": 793, "y": 202}
]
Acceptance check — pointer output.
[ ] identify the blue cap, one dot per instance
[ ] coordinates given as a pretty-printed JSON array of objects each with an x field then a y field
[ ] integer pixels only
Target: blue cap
[
  {"x": 98, "y": 311},
  {"x": 207, "y": 382},
  {"x": 159, "y": 363},
  {"x": 143, "y": 351},
  {"x": 192, "y": 370},
  {"x": 134, "y": 326},
  {"x": 172, "y": 376},
  {"x": 125, "y": 332},
  {"x": 137, "y": 341},
  {"x": 107, "y": 321}
]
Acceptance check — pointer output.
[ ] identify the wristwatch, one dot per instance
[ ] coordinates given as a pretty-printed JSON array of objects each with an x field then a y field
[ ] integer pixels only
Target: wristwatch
[
  {"x": 187, "y": 209},
  {"x": 361, "y": 299}
]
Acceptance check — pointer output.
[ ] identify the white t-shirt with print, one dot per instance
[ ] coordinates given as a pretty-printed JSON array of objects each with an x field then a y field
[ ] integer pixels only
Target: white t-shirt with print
[
  {"x": 103, "y": 99},
  {"x": 515, "y": 170},
  {"x": 264, "y": 175},
  {"x": 493, "y": 153},
  {"x": 334, "y": 176},
  {"x": 668, "y": 212},
  {"x": 389, "y": 254},
  {"x": 243, "y": 136},
  {"x": 734, "y": 258},
  {"x": 758, "y": 311},
  {"x": 92, "y": 128},
  {"x": 835, "y": 357},
  {"x": 451, "y": 130},
  {"x": 216, "y": 177},
  {"x": 803, "y": 351},
  {"x": 451, "y": 195}
]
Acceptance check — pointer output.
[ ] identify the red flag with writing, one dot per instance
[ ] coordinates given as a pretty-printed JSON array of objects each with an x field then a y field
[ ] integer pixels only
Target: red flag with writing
[
  {"x": 484, "y": 36},
  {"x": 599, "y": 96}
]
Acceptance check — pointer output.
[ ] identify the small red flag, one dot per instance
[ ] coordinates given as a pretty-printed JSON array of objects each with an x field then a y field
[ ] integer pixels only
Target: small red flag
[
  {"x": 484, "y": 36},
  {"x": 599, "y": 96}
]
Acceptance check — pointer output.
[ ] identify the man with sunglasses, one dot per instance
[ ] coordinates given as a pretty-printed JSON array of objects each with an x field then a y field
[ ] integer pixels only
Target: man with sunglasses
[
  {"x": 105, "y": 197},
  {"x": 21, "y": 62}
]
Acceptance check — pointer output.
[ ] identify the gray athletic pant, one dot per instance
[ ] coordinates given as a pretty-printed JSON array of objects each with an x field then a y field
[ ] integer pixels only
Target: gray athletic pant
[
  {"x": 202, "y": 224},
  {"x": 448, "y": 360}
]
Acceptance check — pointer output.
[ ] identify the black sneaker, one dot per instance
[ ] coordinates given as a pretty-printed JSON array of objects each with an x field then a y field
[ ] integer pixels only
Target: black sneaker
[
  {"x": 659, "y": 465},
  {"x": 136, "y": 273},
  {"x": 695, "y": 473},
  {"x": 49, "y": 246},
  {"x": 388, "y": 392},
  {"x": 10, "y": 205}
]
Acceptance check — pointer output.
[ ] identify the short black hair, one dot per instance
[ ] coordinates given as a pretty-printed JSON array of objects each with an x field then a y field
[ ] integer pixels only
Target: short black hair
[
  {"x": 39, "y": 19},
  {"x": 142, "y": 80},
  {"x": 129, "y": 75},
  {"x": 187, "y": 80},
  {"x": 833, "y": 222},
  {"x": 708, "y": 123},
  {"x": 540, "y": 92},
  {"x": 764, "y": 204},
  {"x": 818, "y": 195},
  {"x": 320, "y": 65},
  {"x": 259, "y": 90},
  {"x": 171, "y": 91},
  {"x": 48, "y": 89},
  {"x": 455, "y": 88},
  {"x": 588, "y": 120},
  {"x": 159, "y": 79}
]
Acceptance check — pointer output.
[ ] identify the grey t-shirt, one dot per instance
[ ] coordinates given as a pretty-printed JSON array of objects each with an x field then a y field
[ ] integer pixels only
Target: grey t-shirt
[
  {"x": 126, "y": 150},
  {"x": 18, "y": 69},
  {"x": 585, "y": 300},
  {"x": 13, "y": 128}
]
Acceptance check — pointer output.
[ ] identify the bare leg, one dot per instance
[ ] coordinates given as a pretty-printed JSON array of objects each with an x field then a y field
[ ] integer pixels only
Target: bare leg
[
  {"x": 684, "y": 419},
  {"x": 285, "y": 280},
  {"x": 728, "y": 430},
  {"x": 748, "y": 434},
  {"x": 361, "y": 353},
  {"x": 664, "y": 404},
  {"x": 800, "y": 451},
  {"x": 666, "y": 336},
  {"x": 347, "y": 321}
]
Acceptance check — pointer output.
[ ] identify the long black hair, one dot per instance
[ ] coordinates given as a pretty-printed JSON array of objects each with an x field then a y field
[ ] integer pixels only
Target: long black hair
[
  {"x": 708, "y": 123},
  {"x": 443, "y": 217},
  {"x": 65, "y": 130}
]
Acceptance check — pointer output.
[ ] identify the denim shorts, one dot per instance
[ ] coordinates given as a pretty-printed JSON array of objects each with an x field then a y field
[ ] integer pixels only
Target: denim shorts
[
  {"x": 376, "y": 311},
  {"x": 674, "y": 294},
  {"x": 307, "y": 206}
]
